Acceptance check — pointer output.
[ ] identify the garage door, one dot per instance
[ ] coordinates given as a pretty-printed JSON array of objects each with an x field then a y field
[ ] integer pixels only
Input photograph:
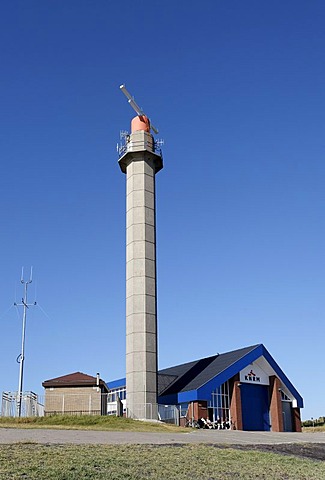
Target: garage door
[{"x": 255, "y": 407}]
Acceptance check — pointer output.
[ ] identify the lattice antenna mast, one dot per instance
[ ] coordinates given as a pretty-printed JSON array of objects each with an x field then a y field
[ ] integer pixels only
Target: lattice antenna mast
[
  {"x": 21, "y": 357},
  {"x": 136, "y": 107}
]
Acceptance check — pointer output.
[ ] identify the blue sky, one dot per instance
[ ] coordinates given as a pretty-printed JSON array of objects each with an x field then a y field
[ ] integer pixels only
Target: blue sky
[{"x": 237, "y": 91}]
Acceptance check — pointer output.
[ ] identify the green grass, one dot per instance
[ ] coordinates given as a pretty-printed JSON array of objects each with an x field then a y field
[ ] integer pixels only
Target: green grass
[
  {"x": 117, "y": 462},
  {"x": 87, "y": 422}
]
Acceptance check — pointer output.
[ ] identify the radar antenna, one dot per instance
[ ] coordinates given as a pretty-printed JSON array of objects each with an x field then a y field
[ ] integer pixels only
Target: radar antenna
[{"x": 135, "y": 106}]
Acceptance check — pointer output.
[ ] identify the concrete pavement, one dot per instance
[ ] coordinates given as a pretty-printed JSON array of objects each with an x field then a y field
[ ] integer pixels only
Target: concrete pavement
[{"x": 54, "y": 436}]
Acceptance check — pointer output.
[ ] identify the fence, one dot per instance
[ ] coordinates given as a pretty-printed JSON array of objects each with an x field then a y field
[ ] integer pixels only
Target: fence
[
  {"x": 154, "y": 411},
  {"x": 93, "y": 403},
  {"x": 169, "y": 414},
  {"x": 29, "y": 405},
  {"x": 32, "y": 405},
  {"x": 141, "y": 411}
]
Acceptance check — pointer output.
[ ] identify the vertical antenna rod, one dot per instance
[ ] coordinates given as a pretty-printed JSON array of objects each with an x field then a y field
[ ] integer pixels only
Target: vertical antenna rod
[{"x": 21, "y": 357}]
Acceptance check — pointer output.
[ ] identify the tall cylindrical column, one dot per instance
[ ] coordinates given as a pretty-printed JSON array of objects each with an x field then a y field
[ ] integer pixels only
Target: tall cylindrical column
[{"x": 140, "y": 163}]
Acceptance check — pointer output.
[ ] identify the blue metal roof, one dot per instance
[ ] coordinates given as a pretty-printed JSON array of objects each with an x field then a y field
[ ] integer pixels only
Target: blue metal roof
[{"x": 116, "y": 383}]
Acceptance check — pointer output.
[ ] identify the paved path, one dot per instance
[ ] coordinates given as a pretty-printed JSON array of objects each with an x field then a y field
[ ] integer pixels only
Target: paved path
[{"x": 49, "y": 436}]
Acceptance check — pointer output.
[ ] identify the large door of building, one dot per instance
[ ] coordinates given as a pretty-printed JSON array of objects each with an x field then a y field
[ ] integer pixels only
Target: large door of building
[{"x": 255, "y": 407}]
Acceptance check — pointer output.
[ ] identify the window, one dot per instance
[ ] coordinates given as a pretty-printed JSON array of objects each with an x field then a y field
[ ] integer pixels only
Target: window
[
  {"x": 220, "y": 404},
  {"x": 284, "y": 397}
]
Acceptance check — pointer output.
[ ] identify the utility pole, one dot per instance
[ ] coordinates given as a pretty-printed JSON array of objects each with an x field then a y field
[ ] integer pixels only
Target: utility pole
[{"x": 21, "y": 357}]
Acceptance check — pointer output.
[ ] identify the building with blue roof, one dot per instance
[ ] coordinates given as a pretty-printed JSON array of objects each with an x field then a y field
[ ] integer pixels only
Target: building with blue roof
[{"x": 244, "y": 389}]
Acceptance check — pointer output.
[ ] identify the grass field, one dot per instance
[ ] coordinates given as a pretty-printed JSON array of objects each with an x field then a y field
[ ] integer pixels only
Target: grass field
[
  {"x": 193, "y": 462},
  {"x": 87, "y": 422},
  {"x": 41, "y": 462},
  {"x": 94, "y": 422}
]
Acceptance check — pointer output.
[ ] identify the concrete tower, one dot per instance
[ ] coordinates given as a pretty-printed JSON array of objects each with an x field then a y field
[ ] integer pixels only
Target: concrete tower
[{"x": 140, "y": 161}]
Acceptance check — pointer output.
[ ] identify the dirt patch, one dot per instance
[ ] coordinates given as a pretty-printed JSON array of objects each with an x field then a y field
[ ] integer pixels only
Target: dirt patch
[{"x": 315, "y": 451}]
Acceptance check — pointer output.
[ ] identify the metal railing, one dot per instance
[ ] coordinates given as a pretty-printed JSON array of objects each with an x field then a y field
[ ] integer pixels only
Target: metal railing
[
  {"x": 28, "y": 404},
  {"x": 143, "y": 411},
  {"x": 169, "y": 414},
  {"x": 93, "y": 403},
  {"x": 135, "y": 145},
  {"x": 154, "y": 411}
]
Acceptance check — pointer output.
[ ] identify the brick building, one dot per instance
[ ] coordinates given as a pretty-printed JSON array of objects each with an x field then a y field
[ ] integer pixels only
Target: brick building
[{"x": 75, "y": 394}]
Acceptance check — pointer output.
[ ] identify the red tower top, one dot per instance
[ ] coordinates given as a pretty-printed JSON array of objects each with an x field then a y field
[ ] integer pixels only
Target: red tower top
[{"x": 140, "y": 122}]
